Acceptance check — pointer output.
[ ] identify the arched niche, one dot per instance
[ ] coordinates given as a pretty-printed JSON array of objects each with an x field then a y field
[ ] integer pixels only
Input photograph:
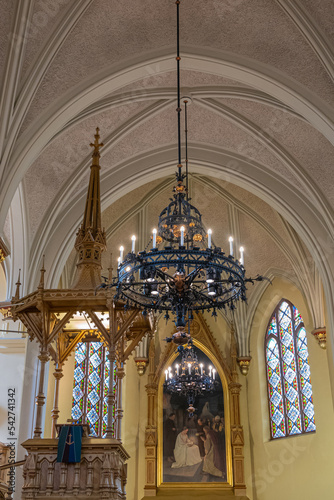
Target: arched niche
[
  {"x": 227, "y": 368},
  {"x": 223, "y": 376}
]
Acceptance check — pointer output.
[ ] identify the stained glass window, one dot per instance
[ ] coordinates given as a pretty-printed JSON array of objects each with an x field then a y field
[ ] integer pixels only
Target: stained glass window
[
  {"x": 91, "y": 386},
  {"x": 288, "y": 373}
]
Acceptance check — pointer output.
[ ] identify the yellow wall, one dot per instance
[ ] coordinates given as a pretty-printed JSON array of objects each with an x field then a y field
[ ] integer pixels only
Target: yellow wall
[
  {"x": 294, "y": 468},
  {"x": 297, "y": 467},
  {"x": 133, "y": 431}
]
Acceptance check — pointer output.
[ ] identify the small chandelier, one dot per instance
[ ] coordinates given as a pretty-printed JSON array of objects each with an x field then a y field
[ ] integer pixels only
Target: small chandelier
[
  {"x": 183, "y": 272},
  {"x": 190, "y": 379}
]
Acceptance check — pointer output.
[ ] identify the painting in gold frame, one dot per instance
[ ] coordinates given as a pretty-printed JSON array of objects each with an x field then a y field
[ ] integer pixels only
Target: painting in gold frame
[{"x": 195, "y": 451}]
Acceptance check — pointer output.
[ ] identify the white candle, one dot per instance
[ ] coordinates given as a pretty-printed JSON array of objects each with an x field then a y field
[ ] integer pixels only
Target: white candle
[
  {"x": 119, "y": 261},
  {"x": 133, "y": 244},
  {"x": 177, "y": 370},
  {"x": 170, "y": 372},
  {"x": 182, "y": 236},
  {"x": 166, "y": 373},
  {"x": 231, "y": 245},
  {"x": 121, "y": 253},
  {"x": 154, "y": 238},
  {"x": 201, "y": 367},
  {"x": 241, "y": 255},
  {"x": 189, "y": 368},
  {"x": 210, "y": 368},
  {"x": 209, "y": 237},
  {"x": 213, "y": 373}
]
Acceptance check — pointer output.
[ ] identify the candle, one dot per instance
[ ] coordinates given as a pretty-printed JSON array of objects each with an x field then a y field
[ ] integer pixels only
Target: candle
[
  {"x": 133, "y": 244},
  {"x": 154, "y": 238},
  {"x": 241, "y": 255},
  {"x": 177, "y": 370},
  {"x": 209, "y": 237},
  {"x": 213, "y": 373},
  {"x": 189, "y": 368},
  {"x": 201, "y": 367},
  {"x": 121, "y": 249},
  {"x": 170, "y": 372},
  {"x": 119, "y": 261},
  {"x": 210, "y": 368},
  {"x": 231, "y": 245},
  {"x": 166, "y": 373},
  {"x": 182, "y": 236}
]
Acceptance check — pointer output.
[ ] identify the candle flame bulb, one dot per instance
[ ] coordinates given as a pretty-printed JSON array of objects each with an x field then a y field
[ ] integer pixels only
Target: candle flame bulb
[
  {"x": 242, "y": 255},
  {"x": 182, "y": 236},
  {"x": 231, "y": 245},
  {"x": 209, "y": 237}
]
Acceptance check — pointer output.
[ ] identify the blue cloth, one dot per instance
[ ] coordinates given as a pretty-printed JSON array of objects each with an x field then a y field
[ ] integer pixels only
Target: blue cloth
[{"x": 69, "y": 444}]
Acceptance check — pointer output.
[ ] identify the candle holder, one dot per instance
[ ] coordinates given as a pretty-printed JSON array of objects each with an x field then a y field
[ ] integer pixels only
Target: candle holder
[{"x": 190, "y": 378}]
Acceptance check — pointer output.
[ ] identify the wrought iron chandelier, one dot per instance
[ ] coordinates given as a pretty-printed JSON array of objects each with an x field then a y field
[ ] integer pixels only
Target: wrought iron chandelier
[
  {"x": 184, "y": 271},
  {"x": 190, "y": 378}
]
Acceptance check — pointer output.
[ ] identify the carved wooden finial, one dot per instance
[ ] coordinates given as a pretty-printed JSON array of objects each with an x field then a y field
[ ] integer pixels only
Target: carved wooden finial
[
  {"x": 41, "y": 281},
  {"x": 110, "y": 269},
  {"x": 96, "y": 144},
  {"x": 18, "y": 284}
]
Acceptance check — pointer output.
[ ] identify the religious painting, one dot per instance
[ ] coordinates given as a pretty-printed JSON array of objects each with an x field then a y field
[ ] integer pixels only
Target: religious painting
[{"x": 194, "y": 438}]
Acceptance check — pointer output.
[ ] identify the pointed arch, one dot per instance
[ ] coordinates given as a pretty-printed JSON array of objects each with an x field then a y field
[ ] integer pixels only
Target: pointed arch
[{"x": 291, "y": 409}]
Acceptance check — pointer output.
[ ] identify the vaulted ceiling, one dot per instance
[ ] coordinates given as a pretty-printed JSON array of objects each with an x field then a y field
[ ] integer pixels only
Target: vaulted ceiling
[{"x": 261, "y": 126}]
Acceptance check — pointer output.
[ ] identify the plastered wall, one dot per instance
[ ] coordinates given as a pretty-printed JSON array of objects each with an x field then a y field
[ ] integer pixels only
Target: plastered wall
[
  {"x": 297, "y": 467},
  {"x": 294, "y": 468}
]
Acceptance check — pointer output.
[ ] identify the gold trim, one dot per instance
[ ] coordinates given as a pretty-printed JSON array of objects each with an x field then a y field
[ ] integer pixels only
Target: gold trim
[{"x": 229, "y": 471}]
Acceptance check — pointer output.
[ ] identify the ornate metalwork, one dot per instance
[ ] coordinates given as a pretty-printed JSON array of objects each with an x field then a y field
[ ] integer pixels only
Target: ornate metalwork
[{"x": 190, "y": 379}]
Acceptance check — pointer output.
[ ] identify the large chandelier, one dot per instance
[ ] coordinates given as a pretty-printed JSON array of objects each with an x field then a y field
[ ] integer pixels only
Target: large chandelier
[
  {"x": 190, "y": 378},
  {"x": 183, "y": 271}
]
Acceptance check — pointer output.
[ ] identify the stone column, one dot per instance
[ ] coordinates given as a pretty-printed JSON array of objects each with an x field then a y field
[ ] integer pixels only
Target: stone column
[
  {"x": 40, "y": 399},
  {"x": 119, "y": 410},
  {"x": 58, "y": 374}
]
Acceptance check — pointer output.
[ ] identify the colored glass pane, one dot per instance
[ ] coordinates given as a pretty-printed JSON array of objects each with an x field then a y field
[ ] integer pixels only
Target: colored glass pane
[
  {"x": 91, "y": 386},
  {"x": 275, "y": 389},
  {"x": 305, "y": 381},
  {"x": 290, "y": 391},
  {"x": 272, "y": 329},
  {"x": 297, "y": 317}
]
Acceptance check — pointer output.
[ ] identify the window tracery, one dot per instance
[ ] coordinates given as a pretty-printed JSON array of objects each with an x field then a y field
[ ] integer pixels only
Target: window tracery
[
  {"x": 291, "y": 407},
  {"x": 91, "y": 386}
]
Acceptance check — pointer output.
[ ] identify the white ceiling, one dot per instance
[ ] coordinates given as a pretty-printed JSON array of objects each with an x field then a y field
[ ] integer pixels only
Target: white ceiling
[{"x": 261, "y": 123}]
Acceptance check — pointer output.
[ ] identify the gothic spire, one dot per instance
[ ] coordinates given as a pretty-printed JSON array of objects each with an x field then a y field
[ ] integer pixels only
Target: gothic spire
[
  {"x": 91, "y": 238},
  {"x": 92, "y": 215}
]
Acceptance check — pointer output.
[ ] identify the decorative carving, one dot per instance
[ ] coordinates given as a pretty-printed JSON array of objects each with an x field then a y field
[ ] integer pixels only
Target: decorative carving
[
  {"x": 244, "y": 363},
  {"x": 320, "y": 335},
  {"x": 141, "y": 365},
  {"x": 4, "y": 252},
  {"x": 101, "y": 473}
]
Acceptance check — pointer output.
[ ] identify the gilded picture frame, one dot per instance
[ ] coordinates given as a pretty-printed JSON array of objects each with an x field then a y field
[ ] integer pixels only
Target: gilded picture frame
[{"x": 219, "y": 484}]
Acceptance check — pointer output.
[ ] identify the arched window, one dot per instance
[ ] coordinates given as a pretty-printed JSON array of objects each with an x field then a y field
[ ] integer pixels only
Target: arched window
[
  {"x": 90, "y": 387},
  {"x": 288, "y": 373}
]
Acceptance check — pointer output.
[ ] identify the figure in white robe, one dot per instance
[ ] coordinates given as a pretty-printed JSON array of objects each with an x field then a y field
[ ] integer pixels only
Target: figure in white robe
[{"x": 185, "y": 451}]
